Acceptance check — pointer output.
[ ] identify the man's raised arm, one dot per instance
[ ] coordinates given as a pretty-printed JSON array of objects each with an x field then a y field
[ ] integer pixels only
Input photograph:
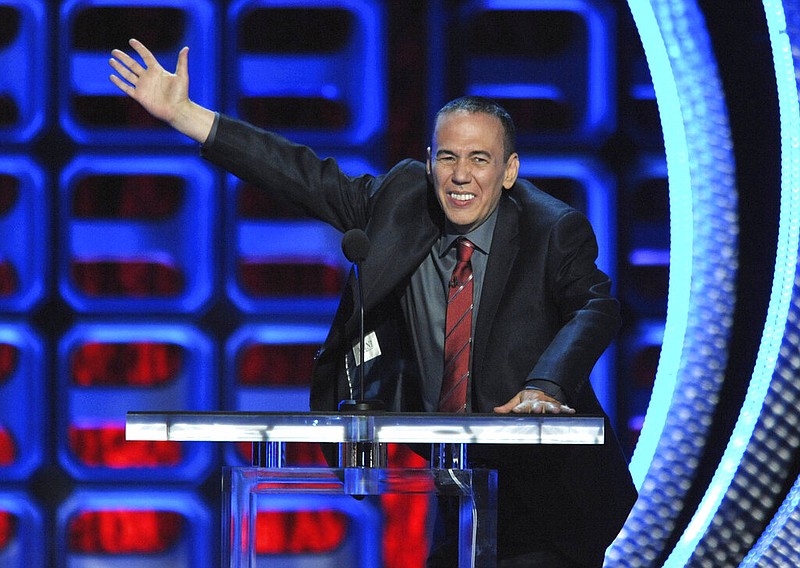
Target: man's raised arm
[{"x": 163, "y": 94}]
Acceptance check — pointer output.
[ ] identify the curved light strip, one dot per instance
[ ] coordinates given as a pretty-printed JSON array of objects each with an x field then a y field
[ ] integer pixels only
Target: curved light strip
[
  {"x": 703, "y": 233},
  {"x": 765, "y": 469},
  {"x": 677, "y": 153},
  {"x": 780, "y": 542},
  {"x": 780, "y": 300}
]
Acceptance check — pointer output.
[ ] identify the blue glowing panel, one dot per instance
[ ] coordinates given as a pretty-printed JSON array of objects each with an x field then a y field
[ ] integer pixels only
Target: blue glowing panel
[
  {"x": 157, "y": 527},
  {"x": 647, "y": 239},
  {"x": 106, "y": 370},
  {"x": 267, "y": 368},
  {"x": 278, "y": 261},
  {"x": 23, "y": 416},
  {"x": 641, "y": 348},
  {"x": 21, "y": 532},
  {"x": 24, "y": 234},
  {"x": 91, "y": 108},
  {"x": 312, "y": 69},
  {"x": 523, "y": 65},
  {"x": 23, "y": 58},
  {"x": 138, "y": 234}
]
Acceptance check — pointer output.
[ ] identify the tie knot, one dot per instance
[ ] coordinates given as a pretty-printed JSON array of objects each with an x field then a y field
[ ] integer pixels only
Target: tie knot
[{"x": 465, "y": 249}]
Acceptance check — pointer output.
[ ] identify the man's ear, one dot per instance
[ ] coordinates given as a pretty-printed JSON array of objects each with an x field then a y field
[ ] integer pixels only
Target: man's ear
[{"x": 512, "y": 171}]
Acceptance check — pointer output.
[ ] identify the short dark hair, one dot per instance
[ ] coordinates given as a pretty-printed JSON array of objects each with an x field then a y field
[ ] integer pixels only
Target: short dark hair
[{"x": 475, "y": 104}]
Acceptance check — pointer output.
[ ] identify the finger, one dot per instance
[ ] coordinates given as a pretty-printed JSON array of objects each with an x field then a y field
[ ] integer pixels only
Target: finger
[
  {"x": 529, "y": 407},
  {"x": 556, "y": 408},
  {"x": 143, "y": 52},
  {"x": 509, "y": 406},
  {"x": 505, "y": 409},
  {"x": 545, "y": 407},
  {"x": 123, "y": 71},
  {"x": 182, "y": 69},
  {"x": 122, "y": 85},
  {"x": 128, "y": 61}
]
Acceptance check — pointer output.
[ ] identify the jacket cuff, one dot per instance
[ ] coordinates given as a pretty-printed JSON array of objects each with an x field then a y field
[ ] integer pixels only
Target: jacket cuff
[
  {"x": 547, "y": 387},
  {"x": 212, "y": 134}
]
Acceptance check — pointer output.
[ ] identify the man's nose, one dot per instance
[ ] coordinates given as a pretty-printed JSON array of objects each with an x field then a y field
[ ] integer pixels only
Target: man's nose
[{"x": 462, "y": 173}]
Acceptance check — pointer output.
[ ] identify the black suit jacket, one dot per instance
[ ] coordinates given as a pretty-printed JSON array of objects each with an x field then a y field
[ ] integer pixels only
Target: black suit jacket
[{"x": 545, "y": 313}]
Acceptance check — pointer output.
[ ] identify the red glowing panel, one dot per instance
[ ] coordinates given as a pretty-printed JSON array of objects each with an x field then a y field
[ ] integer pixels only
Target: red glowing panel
[
  {"x": 405, "y": 521},
  {"x": 9, "y": 357},
  {"x": 127, "y": 278},
  {"x": 119, "y": 532},
  {"x": 9, "y": 111},
  {"x": 106, "y": 446},
  {"x": 298, "y": 454},
  {"x": 135, "y": 363},
  {"x": 8, "y": 528},
  {"x": 300, "y": 532},
  {"x": 276, "y": 364},
  {"x": 8, "y": 448},
  {"x": 104, "y": 111},
  {"x": 405, "y": 516},
  {"x": 644, "y": 366},
  {"x": 9, "y": 192},
  {"x": 158, "y": 27},
  {"x": 294, "y": 112},
  {"x": 147, "y": 197},
  {"x": 9, "y": 282},
  {"x": 295, "y": 277},
  {"x": 255, "y": 203}
]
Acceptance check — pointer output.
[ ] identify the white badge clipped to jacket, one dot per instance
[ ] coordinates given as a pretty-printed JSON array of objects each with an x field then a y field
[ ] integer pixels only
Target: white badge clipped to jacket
[{"x": 371, "y": 348}]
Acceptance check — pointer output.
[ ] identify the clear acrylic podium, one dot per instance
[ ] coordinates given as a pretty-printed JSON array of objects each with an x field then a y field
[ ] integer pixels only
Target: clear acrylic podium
[{"x": 362, "y": 471}]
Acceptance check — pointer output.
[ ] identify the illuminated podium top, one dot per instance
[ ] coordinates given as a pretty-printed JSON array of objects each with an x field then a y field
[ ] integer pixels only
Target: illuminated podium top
[{"x": 369, "y": 427}]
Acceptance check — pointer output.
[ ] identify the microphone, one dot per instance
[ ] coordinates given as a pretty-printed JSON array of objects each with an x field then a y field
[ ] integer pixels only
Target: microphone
[{"x": 355, "y": 246}]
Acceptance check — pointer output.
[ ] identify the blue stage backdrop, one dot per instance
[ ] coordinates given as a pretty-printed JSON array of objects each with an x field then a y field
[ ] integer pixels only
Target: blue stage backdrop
[{"x": 135, "y": 276}]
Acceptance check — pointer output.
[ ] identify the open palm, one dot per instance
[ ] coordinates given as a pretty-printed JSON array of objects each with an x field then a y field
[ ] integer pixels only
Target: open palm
[{"x": 160, "y": 92}]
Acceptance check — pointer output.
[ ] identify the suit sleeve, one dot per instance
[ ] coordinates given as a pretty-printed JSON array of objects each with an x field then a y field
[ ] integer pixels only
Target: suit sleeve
[
  {"x": 290, "y": 172},
  {"x": 587, "y": 316}
]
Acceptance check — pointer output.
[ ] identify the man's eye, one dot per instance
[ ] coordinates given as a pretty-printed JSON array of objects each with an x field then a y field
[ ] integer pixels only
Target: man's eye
[{"x": 446, "y": 159}]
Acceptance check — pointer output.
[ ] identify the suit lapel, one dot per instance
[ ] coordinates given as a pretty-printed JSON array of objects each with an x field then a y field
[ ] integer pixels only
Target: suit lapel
[
  {"x": 396, "y": 255},
  {"x": 397, "y": 250},
  {"x": 505, "y": 247}
]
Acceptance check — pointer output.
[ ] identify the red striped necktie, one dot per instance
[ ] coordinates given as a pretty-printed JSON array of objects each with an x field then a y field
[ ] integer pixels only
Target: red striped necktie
[{"x": 458, "y": 333}]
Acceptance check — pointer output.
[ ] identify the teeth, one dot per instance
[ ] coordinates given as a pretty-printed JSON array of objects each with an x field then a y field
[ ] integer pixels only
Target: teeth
[{"x": 462, "y": 196}]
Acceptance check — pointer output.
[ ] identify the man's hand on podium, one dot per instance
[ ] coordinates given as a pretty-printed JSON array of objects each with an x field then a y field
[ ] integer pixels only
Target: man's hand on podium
[{"x": 532, "y": 401}]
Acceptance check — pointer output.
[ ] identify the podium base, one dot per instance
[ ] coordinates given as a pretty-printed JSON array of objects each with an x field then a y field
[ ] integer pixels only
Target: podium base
[{"x": 247, "y": 491}]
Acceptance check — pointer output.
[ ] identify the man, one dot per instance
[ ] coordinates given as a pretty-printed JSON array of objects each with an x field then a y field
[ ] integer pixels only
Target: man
[{"x": 540, "y": 310}]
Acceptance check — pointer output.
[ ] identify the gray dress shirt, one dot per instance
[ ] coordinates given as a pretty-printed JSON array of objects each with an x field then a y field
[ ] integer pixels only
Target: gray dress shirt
[{"x": 424, "y": 302}]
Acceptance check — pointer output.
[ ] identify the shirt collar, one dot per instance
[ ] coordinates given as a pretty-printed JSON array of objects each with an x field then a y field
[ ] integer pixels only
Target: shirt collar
[{"x": 480, "y": 236}]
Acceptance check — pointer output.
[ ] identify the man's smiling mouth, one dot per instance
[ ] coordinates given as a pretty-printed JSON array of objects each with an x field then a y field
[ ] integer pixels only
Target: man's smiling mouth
[{"x": 461, "y": 196}]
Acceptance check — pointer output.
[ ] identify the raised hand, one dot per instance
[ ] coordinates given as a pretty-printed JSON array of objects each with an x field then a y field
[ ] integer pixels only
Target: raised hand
[{"x": 163, "y": 94}]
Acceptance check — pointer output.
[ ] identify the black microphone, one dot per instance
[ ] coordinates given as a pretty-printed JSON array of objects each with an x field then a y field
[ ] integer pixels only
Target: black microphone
[{"x": 355, "y": 246}]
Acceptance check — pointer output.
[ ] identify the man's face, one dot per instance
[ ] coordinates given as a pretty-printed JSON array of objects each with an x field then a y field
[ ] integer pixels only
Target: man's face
[{"x": 467, "y": 168}]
